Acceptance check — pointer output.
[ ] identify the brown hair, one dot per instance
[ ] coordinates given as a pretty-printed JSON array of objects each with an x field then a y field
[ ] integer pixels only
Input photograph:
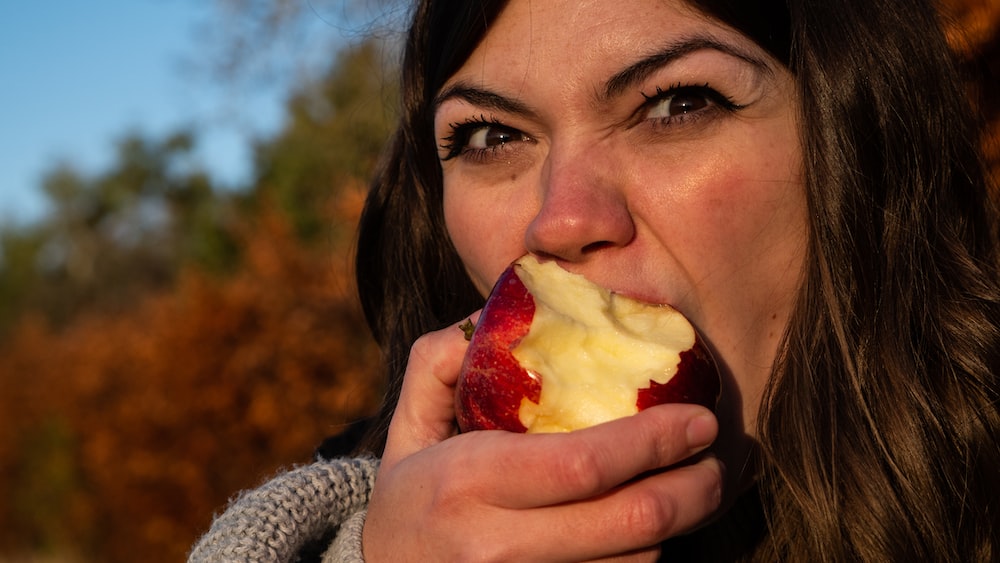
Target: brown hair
[
  {"x": 881, "y": 426},
  {"x": 879, "y": 432}
]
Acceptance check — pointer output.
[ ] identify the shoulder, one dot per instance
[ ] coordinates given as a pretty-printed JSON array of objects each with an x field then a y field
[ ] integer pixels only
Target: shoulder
[{"x": 292, "y": 511}]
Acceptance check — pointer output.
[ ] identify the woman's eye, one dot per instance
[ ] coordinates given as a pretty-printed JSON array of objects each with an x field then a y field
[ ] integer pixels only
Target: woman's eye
[
  {"x": 490, "y": 136},
  {"x": 479, "y": 139},
  {"x": 680, "y": 103}
]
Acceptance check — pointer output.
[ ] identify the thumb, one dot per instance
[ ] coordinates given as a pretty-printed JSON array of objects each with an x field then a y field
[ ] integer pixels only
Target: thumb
[{"x": 425, "y": 414}]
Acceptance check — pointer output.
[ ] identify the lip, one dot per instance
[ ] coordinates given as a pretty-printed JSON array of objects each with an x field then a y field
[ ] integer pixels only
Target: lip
[
  {"x": 642, "y": 298},
  {"x": 649, "y": 297},
  {"x": 630, "y": 291}
]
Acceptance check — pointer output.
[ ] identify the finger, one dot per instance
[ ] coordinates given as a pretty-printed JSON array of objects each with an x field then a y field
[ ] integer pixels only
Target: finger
[
  {"x": 544, "y": 469},
  {"x": 425, "y": 413},
  {"x": 641, "y": 514},
  {"x": 628, "y": 520}
]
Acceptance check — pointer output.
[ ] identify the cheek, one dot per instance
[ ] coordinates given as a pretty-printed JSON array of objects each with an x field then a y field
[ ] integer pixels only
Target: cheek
[
  {"x": 485, "y": 230},
  {"x": 707, "y": 212},
  {"x": 743, "y": 252},
  {"x": 751, "y": 212},
  {"x": 759, "y": 243},
  {"x": 737, "y": 230},
  {"x": 746, "y": 210}
]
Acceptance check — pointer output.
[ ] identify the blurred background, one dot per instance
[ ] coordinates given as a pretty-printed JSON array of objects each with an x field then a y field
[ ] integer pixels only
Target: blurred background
[{"x": 179, "y": 186}]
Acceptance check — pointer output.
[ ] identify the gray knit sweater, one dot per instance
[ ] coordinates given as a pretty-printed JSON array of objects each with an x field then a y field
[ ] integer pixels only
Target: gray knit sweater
[{"x": 324, "y": 501}]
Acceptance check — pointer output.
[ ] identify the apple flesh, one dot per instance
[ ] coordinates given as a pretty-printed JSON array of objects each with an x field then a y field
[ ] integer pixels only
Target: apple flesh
[{"x": 554, "y": 352}]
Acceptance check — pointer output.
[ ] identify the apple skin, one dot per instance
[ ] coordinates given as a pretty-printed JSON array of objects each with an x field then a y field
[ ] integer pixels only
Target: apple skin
[
  {"x": 492, "y": 383},
  {"x": 697, "y": 382}
]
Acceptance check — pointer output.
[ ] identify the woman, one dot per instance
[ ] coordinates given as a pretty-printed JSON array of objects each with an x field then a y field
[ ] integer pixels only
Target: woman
[{"x": 802, "y": 182}]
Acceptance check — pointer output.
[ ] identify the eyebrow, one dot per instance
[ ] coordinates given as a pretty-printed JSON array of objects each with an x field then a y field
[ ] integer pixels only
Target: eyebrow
[
  {"x": 621, "y": 81},
  {"x": 482, "y": 98},
  {"x": 640, "y": 70}
]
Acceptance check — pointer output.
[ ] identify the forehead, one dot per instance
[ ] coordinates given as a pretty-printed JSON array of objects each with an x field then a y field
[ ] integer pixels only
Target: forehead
[{"x": 568, "y": 39}]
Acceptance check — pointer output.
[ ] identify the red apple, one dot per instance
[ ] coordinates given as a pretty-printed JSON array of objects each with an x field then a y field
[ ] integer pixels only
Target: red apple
[{"x": 554, "y": 352}]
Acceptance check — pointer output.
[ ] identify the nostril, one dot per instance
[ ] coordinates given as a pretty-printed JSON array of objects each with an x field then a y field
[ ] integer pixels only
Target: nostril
[{"x": 595, "y": 246}]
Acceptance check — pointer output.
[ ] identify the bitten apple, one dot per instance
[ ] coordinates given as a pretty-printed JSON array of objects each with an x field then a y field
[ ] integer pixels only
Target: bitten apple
[{"x": 554, "y": 352}]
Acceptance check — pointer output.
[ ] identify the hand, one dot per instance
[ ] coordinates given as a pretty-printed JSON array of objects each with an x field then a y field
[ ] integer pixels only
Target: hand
[{"x": 497, "y": 496}]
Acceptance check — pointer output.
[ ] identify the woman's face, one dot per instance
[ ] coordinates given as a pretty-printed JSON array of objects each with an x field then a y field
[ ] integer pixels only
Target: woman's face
[{"x": 645, "y": 146}]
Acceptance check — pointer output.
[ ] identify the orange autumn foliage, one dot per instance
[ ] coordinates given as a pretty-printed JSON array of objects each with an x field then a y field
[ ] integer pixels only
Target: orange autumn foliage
[
  {"x": 129, "y": 431},
  {"x": 973, "y": 30}
]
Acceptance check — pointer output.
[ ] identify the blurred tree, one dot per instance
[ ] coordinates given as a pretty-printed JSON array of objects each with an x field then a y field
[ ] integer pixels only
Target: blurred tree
[
  {"x": 335, "y": 130},
  {"x": 19, "y": 248},
  {"x": 259, "y": 41},
  {"x": 121, "y": 434},
  {"x": 175, "y": 343},
  {"x": 116, "y": 235}
]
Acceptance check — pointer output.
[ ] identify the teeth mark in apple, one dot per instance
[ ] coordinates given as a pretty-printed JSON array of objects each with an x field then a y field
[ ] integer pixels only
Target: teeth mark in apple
[
  {"x": 685, "y": 389},
  {"x": 554, "y": 352}
]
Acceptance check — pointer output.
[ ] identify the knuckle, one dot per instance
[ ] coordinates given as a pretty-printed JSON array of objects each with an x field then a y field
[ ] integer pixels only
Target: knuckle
[
  {"x": 422, "y": 347},
  {"x": 650, "y": 517},
  {"x": 582, "y": 470},
  {"x": 452, "y": 493}
]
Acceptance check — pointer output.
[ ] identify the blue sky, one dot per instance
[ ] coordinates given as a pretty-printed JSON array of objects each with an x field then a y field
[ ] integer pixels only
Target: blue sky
[{"x": 77, "y": 76}]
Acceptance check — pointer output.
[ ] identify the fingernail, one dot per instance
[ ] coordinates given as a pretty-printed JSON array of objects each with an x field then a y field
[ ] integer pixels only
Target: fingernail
[{"x": 701, "y": 431}]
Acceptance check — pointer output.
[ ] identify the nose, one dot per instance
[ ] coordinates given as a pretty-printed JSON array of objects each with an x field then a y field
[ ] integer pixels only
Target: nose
[{"x": 583, "y": 207}]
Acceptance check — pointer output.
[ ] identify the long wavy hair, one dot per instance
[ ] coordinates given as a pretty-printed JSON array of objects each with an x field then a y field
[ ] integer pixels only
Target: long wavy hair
[{"x": 880, "y": 430}]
